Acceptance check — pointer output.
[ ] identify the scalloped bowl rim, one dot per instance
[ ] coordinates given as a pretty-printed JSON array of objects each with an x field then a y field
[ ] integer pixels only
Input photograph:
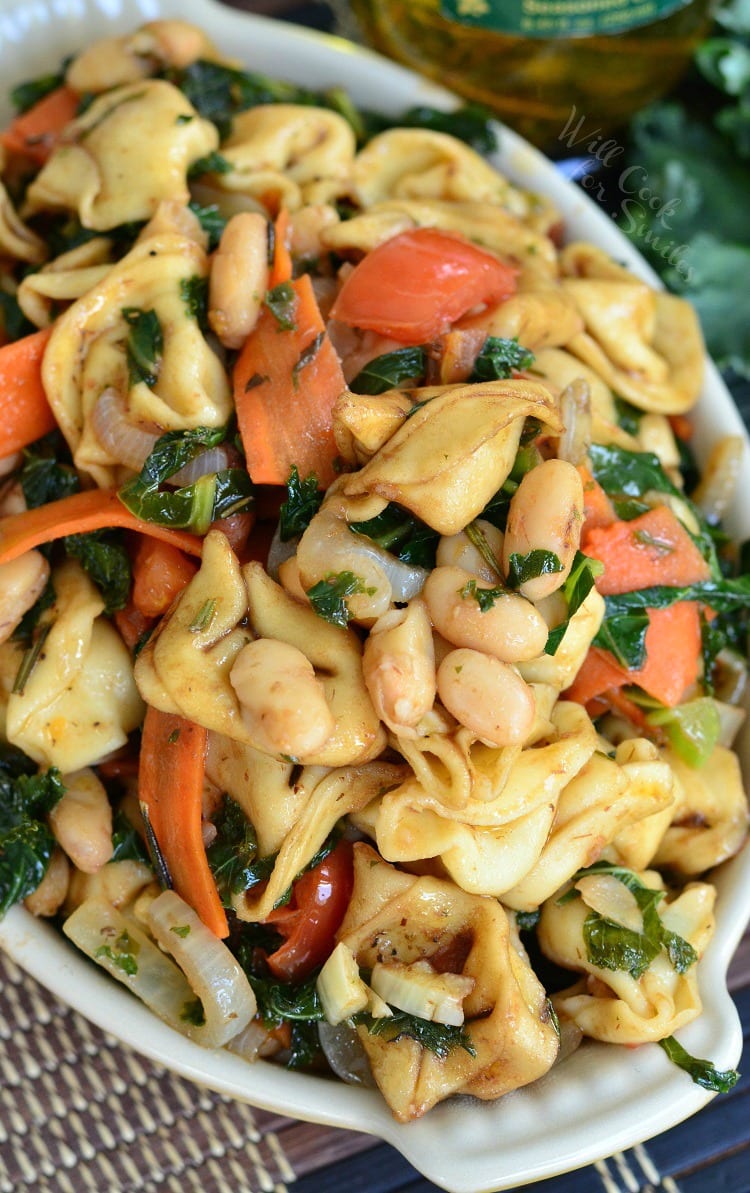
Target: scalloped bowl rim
[{"x": 597, "y": 1102}]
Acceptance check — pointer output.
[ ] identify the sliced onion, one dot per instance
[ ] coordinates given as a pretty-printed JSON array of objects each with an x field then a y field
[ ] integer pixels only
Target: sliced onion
[
  {"x": 213, "y": 459},
  {"x": 716, "y": 490},
  {"x": 343, "y": 1050},
  {"x": 207, "y": 970},
  {"x": 279, "y": 552},
  {"x": 120, "y": 438},
  {"x": 575, "y": 412},
  {"x": 217, "y": 979},
  {"x": 407, "y": 579},
  {"x": 253, "y": 1042}
]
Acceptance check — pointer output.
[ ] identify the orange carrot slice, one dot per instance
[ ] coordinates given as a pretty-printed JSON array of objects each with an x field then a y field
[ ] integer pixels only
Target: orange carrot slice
[
  {"x": 170, "y": 784},
  {"x": 25, "y": 413},
  {"x": 96, "y": 509},
  {"x": 652, "y": 549},
  {"x": 285, "y": 385},
  {"x": 34, "y": 134}
]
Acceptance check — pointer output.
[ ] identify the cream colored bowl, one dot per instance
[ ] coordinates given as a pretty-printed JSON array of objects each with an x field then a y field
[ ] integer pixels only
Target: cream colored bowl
[{"x": 602, "y": 1099}]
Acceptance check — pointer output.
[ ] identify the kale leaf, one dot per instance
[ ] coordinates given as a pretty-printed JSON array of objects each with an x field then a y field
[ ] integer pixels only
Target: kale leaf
[
  {"x": 26, "y": 841},
  {"x": 499, "y": 358},
  {"x": 391, "y": 370},
  {"x": 702, "y": 1072},
  {"x": 303, "y": 500},
  {"x": 328, "y": 596},
  {"x": 104, "y": 556}
]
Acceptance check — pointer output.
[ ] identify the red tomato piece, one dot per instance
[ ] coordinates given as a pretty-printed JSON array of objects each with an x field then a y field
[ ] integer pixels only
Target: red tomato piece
[
  {"x": 310, "y": 921},
  {"x": 415, "y": 285}
]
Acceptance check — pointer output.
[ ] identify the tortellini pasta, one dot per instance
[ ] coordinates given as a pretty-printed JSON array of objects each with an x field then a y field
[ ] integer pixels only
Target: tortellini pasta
[
  {"x": 80, "y": 702},
  {"x": 394, "y": 916},
  {"x": 617, "y": 1005},
  {"x": 187, "y": 670},
  {"x": 287, "y": 155},
  {"x": 146, "y": 132},
  {"x": 87, "y": 356},
  {"x": 447, "y": 460}
]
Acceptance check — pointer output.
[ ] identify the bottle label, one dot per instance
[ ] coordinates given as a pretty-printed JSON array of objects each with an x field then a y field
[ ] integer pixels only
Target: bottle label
[{"x": 558, "y": 18}]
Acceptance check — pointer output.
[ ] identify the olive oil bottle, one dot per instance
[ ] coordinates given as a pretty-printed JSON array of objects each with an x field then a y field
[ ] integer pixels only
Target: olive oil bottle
[{"x": 530, "y": 61}]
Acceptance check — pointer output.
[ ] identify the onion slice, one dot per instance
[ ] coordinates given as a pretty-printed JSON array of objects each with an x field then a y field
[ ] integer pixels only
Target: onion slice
[
  {"x": 211, "y": 974},
  {"x": 215, "y": 976},
  {"x": 121, "y": 439},
  {"x": 213, "y": 459}
]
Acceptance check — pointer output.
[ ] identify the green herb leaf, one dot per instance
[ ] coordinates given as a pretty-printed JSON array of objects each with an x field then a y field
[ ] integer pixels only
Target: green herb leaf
[
  {"x": 623, "y": 630},
  {"x": 192, "y": 1012},
  {"x": 195, "y": 506},
  {"x": 194, "y": 294},
  {"x": 400, "y": 532},
  {"x": 144, "y": 345},
  {"x": 24, "y": 95},
  {"x": 303, "y": 500},
  {"x": 203, "y": 617},
  {"x": 328, "y": 596},
  {"x": 282, "y": 302},
  {"x": 127, "y": 842},
  {"x": 391, "y": 370},
  {"x": 472, "y": 123},
  {"x": 124, "y": 961},
  {"x": 532, "y": 565},
  {"x": 103, "y": 555},
  {"x": 211, "y": 221},
  {"x": 610, "y": 945},
  {"x": 576, "y": 588},
  {"x": 43, "y": 479},
  {"x": 26, "y": 841},
  {"x": 307, "y": 357},
  {"x": 212, "y": 163},
  {"x": 499, "y": 358},
  {"x": 233, "y": 855},
  {"x": 484, "y": 597},
  {"x": 702, "y": 1072},
  {"x": 439, "y": 1038}
]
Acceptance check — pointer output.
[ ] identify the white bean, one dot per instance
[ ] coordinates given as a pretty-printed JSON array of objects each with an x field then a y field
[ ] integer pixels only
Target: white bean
[
  {"x": 82, "y": 821},
  {"x": 283, "y": 702},
  {"x": 399, "y": 667},
  {"x": 22, "y": 580},
  {"x": 511, "y": 629},
  {"x": 457, "y": 550},
  {"x": 49, "y": 896},
  {"x": 546, "y": 513},
  {"x": 486, "y": 696},
  {"x": 239, "y": 278}
]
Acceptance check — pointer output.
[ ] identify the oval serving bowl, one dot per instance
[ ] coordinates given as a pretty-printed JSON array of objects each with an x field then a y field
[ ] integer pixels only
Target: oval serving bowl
[{"x": 599, "y": 1101}]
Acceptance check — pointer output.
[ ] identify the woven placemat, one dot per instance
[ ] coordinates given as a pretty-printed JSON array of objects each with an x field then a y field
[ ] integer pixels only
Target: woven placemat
[{"x": 78, "y": 1111}]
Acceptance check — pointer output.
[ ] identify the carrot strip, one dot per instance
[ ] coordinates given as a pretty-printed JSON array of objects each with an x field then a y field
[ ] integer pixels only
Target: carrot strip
[
  {"x": 95, "y": 509},
  {"x": 285, "y": 385},
  {"x": 281, "y": 269},
  {"x": 170, "y": 784},
  {"x": 160, "y": 572},
  {"x": 34, "y": 134},
  {"x": 597, "y": 507},
  {"x": 25, "y": 413},
  {"x": 652, "y": 549},
  {"x": 673, "y": 645}
]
